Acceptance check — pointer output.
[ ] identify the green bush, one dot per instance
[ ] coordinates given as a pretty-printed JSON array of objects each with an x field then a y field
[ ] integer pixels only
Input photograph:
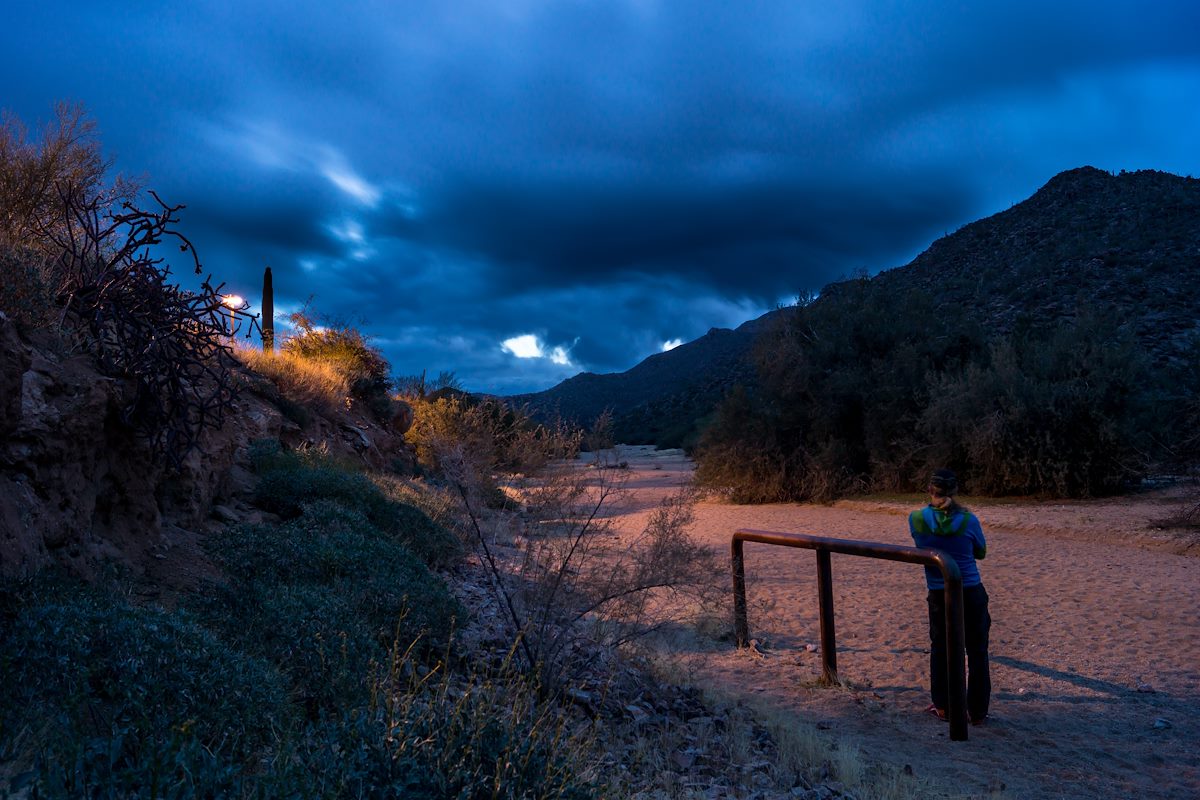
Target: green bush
[
  {"x": 104, "y": 698},
  {"x": 323, "y": 596},
  {"x": 1054, "y": 414},
  {"x": 436, "y": 736},
  {"x": 289, "y": 481},
  {"x": 439, "y": 503},
  {"x": 741, "y": 454}
]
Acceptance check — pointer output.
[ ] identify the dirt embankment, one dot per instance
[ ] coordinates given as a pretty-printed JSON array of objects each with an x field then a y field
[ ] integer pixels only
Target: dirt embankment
[
  {"x": 1095, "y": 643},
  {"x": 77, "y": 487}
]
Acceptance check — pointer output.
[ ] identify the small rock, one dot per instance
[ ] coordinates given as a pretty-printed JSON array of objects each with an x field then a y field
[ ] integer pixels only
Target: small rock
[
  {"x": 1161, "y": 724},
  {"x": 226, "y": 514},
  {"x": 812, "y": 648},
  {"x": 1145, "y": 688}
]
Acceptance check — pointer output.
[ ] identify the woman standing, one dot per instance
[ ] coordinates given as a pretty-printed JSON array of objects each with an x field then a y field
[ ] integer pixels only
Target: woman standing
[{"x": 949, "y": 527}]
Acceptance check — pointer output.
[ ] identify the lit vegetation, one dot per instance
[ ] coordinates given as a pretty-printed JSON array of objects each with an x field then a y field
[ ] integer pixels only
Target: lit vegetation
[{"x": 302, "y": 381}]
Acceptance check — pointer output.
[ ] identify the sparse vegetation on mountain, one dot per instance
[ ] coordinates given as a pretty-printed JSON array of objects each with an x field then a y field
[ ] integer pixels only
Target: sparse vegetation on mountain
[
  {"x": 1045, "y": 350},
  {"x": 666, "y": 399},
  {"x": 1094, "y": 272}
]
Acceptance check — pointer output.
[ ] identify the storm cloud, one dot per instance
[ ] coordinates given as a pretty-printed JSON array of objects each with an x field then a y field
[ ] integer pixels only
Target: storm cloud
[{"x": 604, "y": 178}]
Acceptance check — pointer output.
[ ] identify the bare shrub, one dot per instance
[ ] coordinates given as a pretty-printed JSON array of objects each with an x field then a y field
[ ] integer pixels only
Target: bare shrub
[
  {"x": 570, "y": 582},
  {"x": 418, "y": 387},
  {"x": 33, "y": 168},
  {"x": 118, "y": 303},
  {"x": 75, "y": 250}
]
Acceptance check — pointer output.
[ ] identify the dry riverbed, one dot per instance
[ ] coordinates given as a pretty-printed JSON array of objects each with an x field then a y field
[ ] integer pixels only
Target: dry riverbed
[{"x": 1095, "y": 641}]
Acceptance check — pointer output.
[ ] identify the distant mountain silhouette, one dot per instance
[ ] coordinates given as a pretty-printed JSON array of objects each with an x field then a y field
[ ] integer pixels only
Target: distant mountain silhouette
[
  {"x": 1126, "y": 246},
  {"x": 648, "y": 399}
]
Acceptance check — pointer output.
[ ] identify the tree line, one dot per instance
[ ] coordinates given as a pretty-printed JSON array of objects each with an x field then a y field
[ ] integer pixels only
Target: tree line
[{"x": 873, "y": 388}]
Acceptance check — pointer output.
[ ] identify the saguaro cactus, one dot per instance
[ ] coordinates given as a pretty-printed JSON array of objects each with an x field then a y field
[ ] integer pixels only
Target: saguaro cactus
[{"x": 268, "y": 313}]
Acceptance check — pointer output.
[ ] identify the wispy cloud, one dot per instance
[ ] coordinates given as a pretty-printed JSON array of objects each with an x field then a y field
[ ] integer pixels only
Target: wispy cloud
[
  {"x": 528, "y": 345},
  {"x": 270, "y": 146}
]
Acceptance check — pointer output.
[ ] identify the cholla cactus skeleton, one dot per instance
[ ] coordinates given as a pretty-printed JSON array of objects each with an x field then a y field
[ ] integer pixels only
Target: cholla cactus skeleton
[{"x": 118, "y": 303}]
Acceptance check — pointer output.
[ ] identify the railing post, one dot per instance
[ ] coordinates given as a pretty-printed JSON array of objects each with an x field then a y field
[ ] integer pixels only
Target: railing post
[
  {"x": 955, "y": 658},
  {"x": 741, "y": 630},
  {"x": 955, "y": 635},
  {"x": 825, "y": 601}
]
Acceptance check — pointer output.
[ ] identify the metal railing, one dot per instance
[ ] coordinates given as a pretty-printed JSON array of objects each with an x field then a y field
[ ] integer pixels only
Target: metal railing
[{"x": 955, "y": 637}]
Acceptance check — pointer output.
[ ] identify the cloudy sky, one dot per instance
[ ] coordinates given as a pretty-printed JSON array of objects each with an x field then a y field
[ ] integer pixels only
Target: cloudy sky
[{"x": 520, "y": 190}]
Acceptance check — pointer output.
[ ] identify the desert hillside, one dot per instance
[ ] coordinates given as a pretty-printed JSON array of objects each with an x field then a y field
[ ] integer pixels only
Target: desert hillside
[{"x": 1088, "y": 244}]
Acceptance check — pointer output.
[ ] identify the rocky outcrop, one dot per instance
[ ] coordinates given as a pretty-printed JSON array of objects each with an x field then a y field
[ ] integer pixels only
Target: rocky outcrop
[{"x": 78, "y": 487}]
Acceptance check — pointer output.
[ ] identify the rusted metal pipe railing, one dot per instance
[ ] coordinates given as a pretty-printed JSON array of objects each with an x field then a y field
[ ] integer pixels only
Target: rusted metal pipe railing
[{"x": 955, "y": 637}]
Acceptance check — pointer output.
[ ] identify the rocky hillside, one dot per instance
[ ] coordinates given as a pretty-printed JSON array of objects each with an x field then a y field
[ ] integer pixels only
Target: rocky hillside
[
  {"x": 1124, "y": 246},
  {"x": 77, "y": 487}
]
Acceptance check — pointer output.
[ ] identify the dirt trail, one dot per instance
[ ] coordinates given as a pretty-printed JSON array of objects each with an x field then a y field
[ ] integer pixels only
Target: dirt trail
[{"x": 1095, "y": 641}]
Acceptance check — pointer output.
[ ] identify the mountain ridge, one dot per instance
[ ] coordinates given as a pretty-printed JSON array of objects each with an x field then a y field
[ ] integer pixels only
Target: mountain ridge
[{"x": 1125, "y": 245}]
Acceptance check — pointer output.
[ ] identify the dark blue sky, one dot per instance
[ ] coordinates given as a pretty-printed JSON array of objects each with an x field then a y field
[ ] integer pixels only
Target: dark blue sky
[{"x": 588, "y": 181}]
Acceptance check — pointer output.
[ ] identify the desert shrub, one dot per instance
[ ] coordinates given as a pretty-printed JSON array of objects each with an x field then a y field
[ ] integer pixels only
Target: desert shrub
[
  {"x": 301, "y": 380},
  {"x": 105, "y": 698},
  {"x": 1056, "y": 414},
  {"x": 1178, "y": 433},
  {"x": 574, "y": 584},
  {"x": 436, "y": 734},
  {"x": 437, "y": 501},
  {"x": 77, "y": 250},
  {"x": 290, "y": 481},
  {"x": 742, "y": 455},
  {"x": 26, "y": 287},
  {"x": 323, "y": 596},
  {"x": 343, "y": 349},
  {"x": 64, "y": 152},
  {"x": 501, "y": 438},
  {"x": 848, "y": 404},
  {"x": 420, "y": 386}
]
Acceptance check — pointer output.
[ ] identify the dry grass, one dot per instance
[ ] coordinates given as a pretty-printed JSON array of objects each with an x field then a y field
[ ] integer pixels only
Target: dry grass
[
  {"x": 801, "y": 750},
  {"x": 303, "y": 380}
]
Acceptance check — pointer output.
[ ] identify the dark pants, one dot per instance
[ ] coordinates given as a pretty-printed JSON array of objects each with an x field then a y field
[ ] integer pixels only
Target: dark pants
[{"x": 977, "y": 622}]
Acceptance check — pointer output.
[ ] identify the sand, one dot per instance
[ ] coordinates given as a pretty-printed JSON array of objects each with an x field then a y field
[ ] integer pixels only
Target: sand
[{"x": 1095, "y": 640}]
